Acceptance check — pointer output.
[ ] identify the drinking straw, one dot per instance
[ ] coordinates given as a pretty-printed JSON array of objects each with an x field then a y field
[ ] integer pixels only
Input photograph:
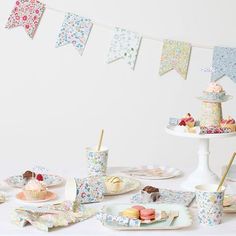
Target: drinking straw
[
  {"x": 226, "y": 171},
  {"x": 100, "y": 140}
]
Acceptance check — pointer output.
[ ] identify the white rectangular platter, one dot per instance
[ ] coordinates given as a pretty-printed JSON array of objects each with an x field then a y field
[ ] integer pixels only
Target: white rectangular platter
[{"x": 184, "y": 219}]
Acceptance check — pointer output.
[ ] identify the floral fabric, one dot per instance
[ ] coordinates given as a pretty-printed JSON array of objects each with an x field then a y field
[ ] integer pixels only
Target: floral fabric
[
  {"x": 75, "y": 30},
  {"x": 224, "y": 63},
  {"x": 175, "y": 55},
  {"x": 26, "y": 13},
  {"x": 125, "y": 44}
]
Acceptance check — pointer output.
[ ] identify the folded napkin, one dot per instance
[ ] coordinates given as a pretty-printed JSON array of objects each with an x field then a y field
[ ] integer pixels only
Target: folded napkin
[
  {"x": 50, "y": 216},
  {"x": 167, "y": 196},
  {"x": 117, "y": 220}
]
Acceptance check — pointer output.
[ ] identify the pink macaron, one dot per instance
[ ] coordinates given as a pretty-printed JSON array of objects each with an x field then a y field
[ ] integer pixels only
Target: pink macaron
[
  {"x": 147, "y": 214},
  {"x": 138, "y": 207}
]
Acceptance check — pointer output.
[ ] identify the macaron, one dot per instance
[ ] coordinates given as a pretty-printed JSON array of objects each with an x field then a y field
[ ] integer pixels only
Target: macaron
[
  {"x": 131, "y": 213},
  {"x": 138, "y": 207},
  {"x": 147, "y": 214}
]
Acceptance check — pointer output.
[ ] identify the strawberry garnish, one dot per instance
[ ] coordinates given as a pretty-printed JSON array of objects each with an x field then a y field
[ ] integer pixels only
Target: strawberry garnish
[
  {"x": 182, "y": 123},
  {"x": 39, "y": 177}
]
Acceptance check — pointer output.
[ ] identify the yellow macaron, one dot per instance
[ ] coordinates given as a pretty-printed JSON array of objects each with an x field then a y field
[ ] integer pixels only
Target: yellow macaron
[{"x": 131, "y": 213}]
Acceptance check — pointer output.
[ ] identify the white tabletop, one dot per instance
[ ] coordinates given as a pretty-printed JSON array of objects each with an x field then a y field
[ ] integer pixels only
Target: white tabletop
[{"x": 94, "y": 227}]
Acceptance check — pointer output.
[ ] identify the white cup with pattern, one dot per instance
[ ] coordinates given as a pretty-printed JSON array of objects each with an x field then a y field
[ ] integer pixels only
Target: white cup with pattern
[
  {"x": 210, "y": 204},
  {"x": 97, "y": 161}
]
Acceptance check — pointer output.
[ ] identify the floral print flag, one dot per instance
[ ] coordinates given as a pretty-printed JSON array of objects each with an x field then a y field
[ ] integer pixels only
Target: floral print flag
[
  {"x": 175, "y": 55},
  {"x": 75, "y": 30},
  {"x": 26, "y": 13},
  {"x": 224, "y": 63},
  {"x": 125, "y": 44}
]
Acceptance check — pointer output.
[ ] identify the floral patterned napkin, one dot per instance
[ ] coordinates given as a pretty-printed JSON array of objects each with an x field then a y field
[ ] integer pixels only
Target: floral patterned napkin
[{"x": 49, "y": 216}]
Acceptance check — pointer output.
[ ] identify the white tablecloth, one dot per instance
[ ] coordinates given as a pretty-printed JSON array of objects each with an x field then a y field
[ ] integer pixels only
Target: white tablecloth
[{"x": 94, "y": 227}]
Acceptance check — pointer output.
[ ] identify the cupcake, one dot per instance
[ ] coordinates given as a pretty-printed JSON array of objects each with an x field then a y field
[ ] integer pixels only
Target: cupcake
[
  {"x": 113, "y": 184},
  {"x": 35, "y": 190},
  {"x": 228, "y": 123},
  {"x": 214, "y": 92},
  {"x": 187, "y": 120}
]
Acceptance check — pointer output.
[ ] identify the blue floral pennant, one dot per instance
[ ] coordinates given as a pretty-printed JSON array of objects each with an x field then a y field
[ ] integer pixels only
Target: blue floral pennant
[
  {"x": 224, "y": 63},
  {"x": 75, "y": 30},
  {"x": 124, "y": 45}
]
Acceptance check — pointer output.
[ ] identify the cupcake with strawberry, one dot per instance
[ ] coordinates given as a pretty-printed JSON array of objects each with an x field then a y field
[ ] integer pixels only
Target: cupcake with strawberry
[
  {"x": 228, "y": 123},
  {"x": 187, "y": 120},
  {"x": 35, "y": 189}
]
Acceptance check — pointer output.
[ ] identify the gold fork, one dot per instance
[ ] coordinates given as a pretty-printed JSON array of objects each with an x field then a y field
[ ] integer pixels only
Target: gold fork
[{"x": 172, "y": 216}]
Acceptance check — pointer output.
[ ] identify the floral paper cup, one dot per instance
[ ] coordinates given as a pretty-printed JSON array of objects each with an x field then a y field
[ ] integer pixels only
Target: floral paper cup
[
  {"x": 87, "y": 190},
  {"x": 210, "y": 204},
  {"x": 97, "y": 161}
]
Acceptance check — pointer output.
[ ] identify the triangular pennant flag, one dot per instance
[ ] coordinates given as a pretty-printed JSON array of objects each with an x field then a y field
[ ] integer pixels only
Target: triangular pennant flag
[
  {"x": 124, "y": 45},
  {"x": 175, "y": 55},
  {"x": 224, "y": 63},
  {"x": 75, "y": 30},
  {"x": 26, "y": 13}
]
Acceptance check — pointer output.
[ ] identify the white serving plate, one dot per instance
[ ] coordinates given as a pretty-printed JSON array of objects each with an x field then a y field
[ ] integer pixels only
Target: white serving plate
[
  {"x": 153, "y": 172},
  {"x": 184, "y": 220},
  {"x": 129, "y": 184},
  {"x": 17, "y": 181}
]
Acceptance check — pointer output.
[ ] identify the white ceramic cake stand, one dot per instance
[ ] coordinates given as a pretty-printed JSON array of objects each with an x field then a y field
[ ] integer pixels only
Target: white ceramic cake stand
[{"x": 202, "y": 174}]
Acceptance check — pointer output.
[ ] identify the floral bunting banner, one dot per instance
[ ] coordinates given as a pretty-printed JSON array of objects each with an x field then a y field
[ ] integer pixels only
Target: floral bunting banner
[
  {"x": 124, "y": 45},
  {"x": 26, "y": 13},
  {"x": 175, "y": 55},
  {"x": 224, "y": 63},
  {"x": 75, "y": 30}
]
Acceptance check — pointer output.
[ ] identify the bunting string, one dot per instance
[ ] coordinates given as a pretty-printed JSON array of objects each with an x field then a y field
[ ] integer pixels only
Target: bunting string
[
  {"x": 125, "y": 44},
  {"x": 110, "y": 27}
]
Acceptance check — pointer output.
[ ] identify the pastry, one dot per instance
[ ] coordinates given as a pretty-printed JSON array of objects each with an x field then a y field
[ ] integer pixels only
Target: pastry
[
  {"x": 113, "y": 184},
  {"x": 150, "y": 194},
  {"x": 131, "y": 213},
  {"x": 28, "y": 175},
  {"x": 187, "y": 120},
  {"x": 228, "y": 123},
  {"x": 214, "y": 130},
  {"x": 214, "y": 92},
  {"x": 147, "y": 214},
  {"x": 35, "y": 190}
]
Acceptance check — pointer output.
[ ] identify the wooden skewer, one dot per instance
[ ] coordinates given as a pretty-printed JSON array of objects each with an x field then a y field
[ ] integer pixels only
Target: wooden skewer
[
  {"x": 100, "y": 140},
  {"x": 226, "y": 171}
]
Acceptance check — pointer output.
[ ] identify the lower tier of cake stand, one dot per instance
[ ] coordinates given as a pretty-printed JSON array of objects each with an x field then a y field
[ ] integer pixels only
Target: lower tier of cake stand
[{"x": 202, "y": 174}]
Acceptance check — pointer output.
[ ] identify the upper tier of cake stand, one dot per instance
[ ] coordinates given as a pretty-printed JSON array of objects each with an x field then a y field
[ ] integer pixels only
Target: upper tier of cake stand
[{"x": 170, "y": 130}]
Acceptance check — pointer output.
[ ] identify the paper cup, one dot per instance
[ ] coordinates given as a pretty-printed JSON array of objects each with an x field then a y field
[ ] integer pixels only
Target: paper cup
[
  {"x": 85, "y": 190},
  {"x": 210, "y": 204},
  {"x": 97, "y": 161}
]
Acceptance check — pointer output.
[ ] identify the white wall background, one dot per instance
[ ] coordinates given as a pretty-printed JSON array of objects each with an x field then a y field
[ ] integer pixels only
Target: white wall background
[{"x": 53, "y": 102}]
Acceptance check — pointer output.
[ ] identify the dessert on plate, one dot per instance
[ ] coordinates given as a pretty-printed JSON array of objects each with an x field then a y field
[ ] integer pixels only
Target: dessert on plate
[
  {"x": 113, "y": 184},
  {"x": 35, "y": 190},
  {"x": 146, "y": 215},
  {"x": 214, "y": 92},
  {"x": 187, "y": 124},
  {"x": 28, "y": 175},
  {"x": 150, "y": 194},
  {"x": 228, "y": 123}
]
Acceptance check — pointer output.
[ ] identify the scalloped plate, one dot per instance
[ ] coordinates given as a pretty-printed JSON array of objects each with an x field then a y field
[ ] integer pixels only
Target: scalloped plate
[
  {"x": 17, "y": 181},
  {"x": 182, "y": 221},
  {"x": 153, "y": 172}
]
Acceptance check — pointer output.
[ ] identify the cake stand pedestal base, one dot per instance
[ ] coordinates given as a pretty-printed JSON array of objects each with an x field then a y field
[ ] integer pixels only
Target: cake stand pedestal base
[{"x": 203, "y": 174}]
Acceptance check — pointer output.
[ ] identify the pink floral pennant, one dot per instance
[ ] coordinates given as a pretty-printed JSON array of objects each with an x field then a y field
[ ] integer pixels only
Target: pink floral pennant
[{"x": 26, "y": 13}]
